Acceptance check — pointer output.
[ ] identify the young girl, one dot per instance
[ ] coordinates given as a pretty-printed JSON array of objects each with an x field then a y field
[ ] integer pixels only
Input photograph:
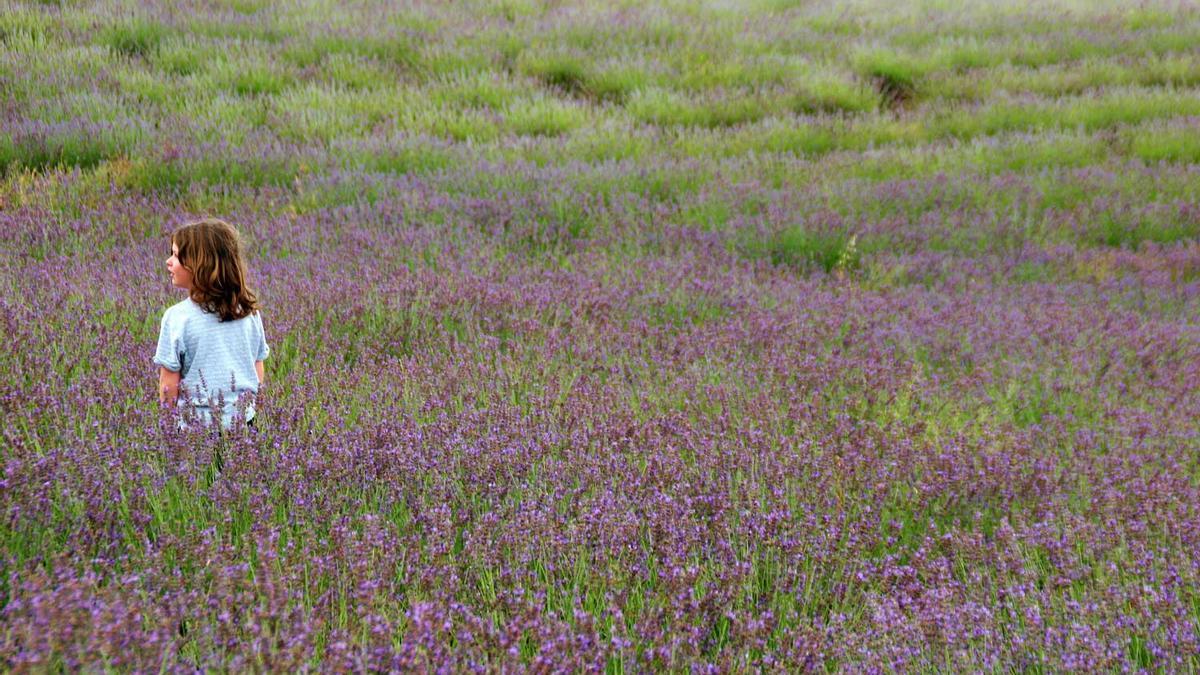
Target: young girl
[{"x": 212, "y": 342}]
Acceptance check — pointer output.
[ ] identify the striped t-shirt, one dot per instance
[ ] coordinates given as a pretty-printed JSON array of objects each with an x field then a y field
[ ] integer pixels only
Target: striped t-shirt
[{"x": 214, "y": 357}]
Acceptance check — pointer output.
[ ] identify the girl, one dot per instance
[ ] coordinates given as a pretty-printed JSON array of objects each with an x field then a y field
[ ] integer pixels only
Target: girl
[{"x": 212, "y": 342}]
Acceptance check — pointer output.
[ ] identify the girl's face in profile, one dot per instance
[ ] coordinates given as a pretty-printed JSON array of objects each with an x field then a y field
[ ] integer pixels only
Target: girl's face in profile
[{"x": 180, "y": 275}]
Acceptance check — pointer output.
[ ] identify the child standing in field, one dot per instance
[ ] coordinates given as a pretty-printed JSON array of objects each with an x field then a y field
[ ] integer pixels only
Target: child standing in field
[{"x": 213, "y": 342}]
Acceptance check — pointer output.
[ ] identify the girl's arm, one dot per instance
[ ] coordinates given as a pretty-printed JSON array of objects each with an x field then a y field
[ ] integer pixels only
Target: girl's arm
[
  {"x": 168, "y": 385},
  {"x": 262, "y": 375}
]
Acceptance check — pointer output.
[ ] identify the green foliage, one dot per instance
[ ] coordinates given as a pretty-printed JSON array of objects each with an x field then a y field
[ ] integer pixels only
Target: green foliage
[
  {"x": 579, "y": 77},
  {"x": 562, "y": 71},
  {"x": 137, "y": 38},
  {"x": 400, "y": 157},
  {"x": 1085, "y": 113},
  {"x": 66, "y": 146},
  {"x": 831, "y": 94},
  {"x": 479, "y": 127},
  {"x": 893, "y": 74},
  {"x": 1170, "y": 144},
  {"x": 800, "y": 139},
  {"x": 482, "y": 90},
  {"x": 683, "y": 310},
  {"x": 1129, "y": 229},
  {"x": 1047, "y": 151},
  {"x": 1143, "y": 18},
  {"x": 962, "y": 54},
  {"x": 307, "y": 49},
  {"x": 543, "y": 117},
  {"x": 182, "y": 57},
  {"x": 22, "y": 29},
  {"x": 353, "y": 73},
  {"x": 799, "y": 247},
  {"x": 256, "y": 80},
  {"x": 610, "y": 142},
  {"x": 702, "y": 71},
  {"x": 615, "y": 83},
  {"x": 665, "y": 108},
  {"x": 147, "y": 86}
]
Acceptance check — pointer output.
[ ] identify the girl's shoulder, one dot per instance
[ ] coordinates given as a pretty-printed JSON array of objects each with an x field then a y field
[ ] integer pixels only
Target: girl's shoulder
[{"x": 182, "y": 311}]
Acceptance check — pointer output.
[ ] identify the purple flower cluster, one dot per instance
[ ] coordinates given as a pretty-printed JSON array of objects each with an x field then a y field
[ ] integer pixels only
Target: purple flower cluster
[{"x": 477, "y": 458}]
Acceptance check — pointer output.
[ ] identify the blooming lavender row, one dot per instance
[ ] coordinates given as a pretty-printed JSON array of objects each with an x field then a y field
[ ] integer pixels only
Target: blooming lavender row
[{"x": 656, "y": 459}]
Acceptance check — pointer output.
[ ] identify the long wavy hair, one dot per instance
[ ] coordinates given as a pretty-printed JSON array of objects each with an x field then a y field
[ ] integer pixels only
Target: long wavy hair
[{"x": 211, "y": 250}]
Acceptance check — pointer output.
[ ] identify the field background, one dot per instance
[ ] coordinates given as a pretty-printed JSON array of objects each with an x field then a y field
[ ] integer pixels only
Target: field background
[{"x": 729, "y": 335}]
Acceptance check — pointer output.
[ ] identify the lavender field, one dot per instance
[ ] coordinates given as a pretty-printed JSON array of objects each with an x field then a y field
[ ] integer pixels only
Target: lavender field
[{"x": 774, "y": 335}]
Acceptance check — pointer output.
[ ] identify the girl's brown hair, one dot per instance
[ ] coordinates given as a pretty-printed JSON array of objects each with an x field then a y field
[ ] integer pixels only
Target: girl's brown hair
[{"x": 211, "y": 250}]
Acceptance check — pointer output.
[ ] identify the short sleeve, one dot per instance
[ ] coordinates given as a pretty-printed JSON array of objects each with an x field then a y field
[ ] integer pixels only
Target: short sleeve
[
  {"x": 170, "y": 351},
  {"x": 261, "y": 350}
]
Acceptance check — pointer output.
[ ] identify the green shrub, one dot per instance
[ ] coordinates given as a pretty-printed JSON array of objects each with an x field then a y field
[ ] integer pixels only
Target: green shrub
[
  {"x": 894, "y": 75},
  {"x": 797, "y": 246},
  {"x": 615, "y": 84},
  {"x": 138, "y": 38},
  {"x": 543, "y": 117},
  {"x": 775, "y": 136},
  {"x": 355, "y": 74},
  {"x": 398, "y": 157},
  {"x": 68, "y": 144},
  {"x": 611, "y": 142},
  {"x": 1046, "y": 151},
  {"x": 1128, "y": 228},
  {"x": 183, "y": 57},
  {"x": 663, "y": 108},
  {"x": 478, "y": 90},
  {"x": 467, "y": 125},
  {"x": 22, "y": 28},
  {"x": 255, "y": 81},
  {"x": 1172, "y": 145},
  {"x": 154, "y": 175},
  {"x": 829, "y": 93},
  {"x": 964, "y": 54},
  {"x": 561, "y": 71}
]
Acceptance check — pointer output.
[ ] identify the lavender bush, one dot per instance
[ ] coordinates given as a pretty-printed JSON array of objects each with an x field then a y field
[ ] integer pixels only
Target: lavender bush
[{"x": 691, "y": 337}]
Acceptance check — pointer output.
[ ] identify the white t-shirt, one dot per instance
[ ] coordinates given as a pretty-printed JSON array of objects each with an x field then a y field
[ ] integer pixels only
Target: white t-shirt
[{"x": 215, "y": 358}]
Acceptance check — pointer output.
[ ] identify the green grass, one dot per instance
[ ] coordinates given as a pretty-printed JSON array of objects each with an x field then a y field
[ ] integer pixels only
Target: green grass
[
  {"x": 400, "y": 155},
  {"x": 544, "y": 117},
  {"x": 1125, "y": 229},
  {"x": 665, "y": 108},
  {"x": 774, "y": 136},
  {"x": 894, "y": 75},
  {"x": 826, "y": 92},
  {"x": 314, "y": 49},
  {"x": 183, "y": 56},
  {"x": 600, "y": 143},
  {"x": 478, "y": 90},
  {"x": 564, "y": 72},
  {"x": 22, "y": 30},
  {"x": 319, "y": 112},
  {"x": 1085, "y": 112},
  {"x": 66, "y": 147},
  {"x": 1180, "y": 144},
  {"x": 139, "y": 38},
  {"x": 682, "y": 310},
  {"x": 799, "y": 247},
  {"x": 253, "y": 80},
  {"x": 175, "y": 176}
]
